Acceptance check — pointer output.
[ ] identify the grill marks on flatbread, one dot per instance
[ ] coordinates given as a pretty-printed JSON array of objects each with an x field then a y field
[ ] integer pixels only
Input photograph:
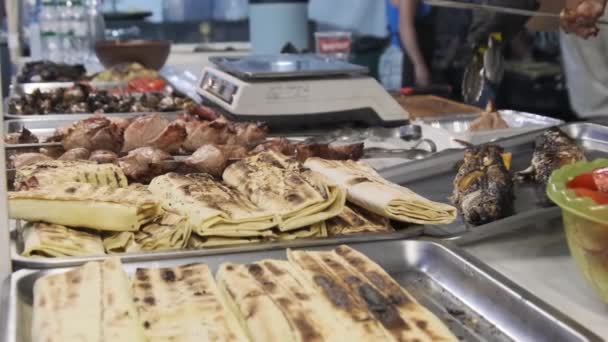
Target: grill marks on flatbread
[
  {"x": 211, "y": 207},
  {"x": 354, "y": 284},
  {"x": 67, "y": 306},
  {"x": 85, "y": 205},
  {"x": 183, "y": 304},
  {"x": 278, "y": 184},
  {"x": 60, "y": 171},
  {"x": 52, "y": 240},
  {"x": 88, "y": 303},
  {"x": 367, "y": 189},
  {"x": 354, "y": 220}
]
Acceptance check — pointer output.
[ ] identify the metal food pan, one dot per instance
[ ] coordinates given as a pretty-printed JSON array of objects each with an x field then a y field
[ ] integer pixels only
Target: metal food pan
[
  {"x": 457, "y": 126},
  {"x": 476, "y": 303},
  {"x": 20, "y": 261},
  {"x": 433, "y": 178}
]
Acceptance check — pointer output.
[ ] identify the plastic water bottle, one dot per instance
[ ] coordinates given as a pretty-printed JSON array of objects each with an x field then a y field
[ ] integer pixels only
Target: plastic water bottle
[
  {"x": 50, "y": 40},
  {"x": 66, "y": 31},
  {"x": 79, "y": 30},
  {"x": 391, "y": 67},
  {"x": 96, "y": 26}
]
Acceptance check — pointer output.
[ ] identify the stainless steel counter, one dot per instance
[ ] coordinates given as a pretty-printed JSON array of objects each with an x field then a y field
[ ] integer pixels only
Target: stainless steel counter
[{"x": 536, "y": 257}]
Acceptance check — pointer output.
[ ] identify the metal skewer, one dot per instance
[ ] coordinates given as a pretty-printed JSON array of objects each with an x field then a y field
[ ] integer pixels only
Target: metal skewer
[{"x": 498, "y": 9}]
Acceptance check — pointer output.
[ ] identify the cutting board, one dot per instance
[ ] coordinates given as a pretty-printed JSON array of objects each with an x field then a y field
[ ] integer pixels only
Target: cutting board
[{"x": 422, "y": 106}]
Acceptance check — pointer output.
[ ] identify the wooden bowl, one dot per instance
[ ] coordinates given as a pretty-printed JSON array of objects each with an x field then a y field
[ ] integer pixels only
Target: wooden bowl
[{"x": 152, "y": 54}]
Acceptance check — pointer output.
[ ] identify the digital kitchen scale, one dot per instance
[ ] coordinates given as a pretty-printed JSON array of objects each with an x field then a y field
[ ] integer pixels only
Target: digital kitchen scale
[{"x": 296, "y": 91}]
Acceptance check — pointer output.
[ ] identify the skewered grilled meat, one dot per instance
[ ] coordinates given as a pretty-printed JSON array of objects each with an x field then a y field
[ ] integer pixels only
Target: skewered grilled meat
[
  {"x": 305, "y": 150},
  {"x": 78, "y": 153},
  {"x": 483, "y": 187},
  {"x": 208, "y": 159},
  {"x": 145, "y": 163},
  {"x": 47, "y": 71},
  {"x": 222, "y": 132},
  {"x": 103, "y": 157},
  {"x": 22, "y": 137},
  {"x": 554, "y": 149},
  {"x": 94, "y": 133},
  {"x": 154, "y": 131}
]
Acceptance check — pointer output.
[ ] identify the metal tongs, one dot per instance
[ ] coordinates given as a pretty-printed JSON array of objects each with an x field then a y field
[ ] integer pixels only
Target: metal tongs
[{"x": 497, "y": 9}]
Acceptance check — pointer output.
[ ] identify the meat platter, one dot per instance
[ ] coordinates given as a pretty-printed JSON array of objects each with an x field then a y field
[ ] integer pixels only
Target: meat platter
[
  {"x": 472, "y": 301},
  {"x": 434, "y": 178}
]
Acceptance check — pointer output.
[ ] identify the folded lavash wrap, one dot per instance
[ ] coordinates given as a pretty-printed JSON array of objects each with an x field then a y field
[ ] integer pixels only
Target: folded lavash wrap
[
  {"x": 212, "y": 208},
  {"x": 355, "y": 220},
  {"x": 367, "y": 189},
  {"x": 59, "y": 171},
  {"x": 89, "y": 303},
  {"x": 85, "y": 205},
  {"x": 167, "y": 232},
  {"x": 280, "y": 185},
  {"x": 53, "y": 240}
]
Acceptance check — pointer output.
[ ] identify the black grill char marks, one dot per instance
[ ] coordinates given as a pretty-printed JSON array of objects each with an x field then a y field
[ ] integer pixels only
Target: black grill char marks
[
  {"x": 71, "y": 190},
  {"x": 150, "y": 301},
  {"x": 168, "y": 275},
  {"x": 142, "y": 274},
  {"x": 273, "y": 269},
  {"x": 358, "y": 180},
  {"x": 333, "y": 292},
  {"x": 382, "y": 309},
  {"x": 295, "y": 198}
]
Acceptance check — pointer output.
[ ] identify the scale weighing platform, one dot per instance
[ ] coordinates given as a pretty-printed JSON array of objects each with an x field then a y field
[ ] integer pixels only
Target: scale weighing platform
[{"x": 296, "y": 91}]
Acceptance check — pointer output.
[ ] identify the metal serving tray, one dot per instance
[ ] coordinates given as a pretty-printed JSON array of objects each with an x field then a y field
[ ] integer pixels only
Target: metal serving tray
[
  {"x": 476, "y": 303},
  {"x": 433, "y": 178},
  {"x": 457, "y": 126}
]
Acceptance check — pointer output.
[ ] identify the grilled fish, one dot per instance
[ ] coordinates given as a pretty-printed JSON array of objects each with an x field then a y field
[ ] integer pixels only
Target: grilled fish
[
  {"x": 554, "y": 149},
  {"x": 483, "y": 187}
]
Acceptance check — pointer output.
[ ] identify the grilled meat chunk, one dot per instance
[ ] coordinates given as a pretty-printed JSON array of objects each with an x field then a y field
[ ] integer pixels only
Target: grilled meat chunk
[
  {"x": 103, "y": 157},
  {"x": 24, "y": 136},
  {"x": 483, "y": 187},
  {"x": 144, "y": 163},
  {"x": 554, "y": 149},
  {"x": 23, "y": 159},
  {"x": 154, "y": 131},
  {"x": 94, "y": 133},
  {"x": 208, "y": 159},
  {"x": 78, "y": 153}
]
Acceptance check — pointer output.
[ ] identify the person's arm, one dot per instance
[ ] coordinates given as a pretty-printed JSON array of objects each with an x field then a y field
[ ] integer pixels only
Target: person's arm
[
  {"x": 582, "y": 18},
  {"x": 409, "y": 39}
]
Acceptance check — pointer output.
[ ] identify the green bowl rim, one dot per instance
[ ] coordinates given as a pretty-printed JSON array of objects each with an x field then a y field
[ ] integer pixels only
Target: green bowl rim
[{"x": 567, "y": 199}]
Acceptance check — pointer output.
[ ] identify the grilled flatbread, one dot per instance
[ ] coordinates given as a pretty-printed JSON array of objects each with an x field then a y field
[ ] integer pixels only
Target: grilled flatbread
[
  {"x": 59, "y": 171},
  {"x": 369, "y": 190},
  {"x": 354, "y": 220},
  {"x": 183, "y": 304},
  {"x": 52, "y": 240},
  {"x": 120, "y": 319},
  {"x": 167, "y": 232},
  {"x": 67, "y": 306},
  {"x": 199, "y": 242},
  {"x": 268, "y": 291},
  {"x": 370, "y": 292},
  {"x": 85, "y": 205},
  {"x": 278, "y": 184},
  {"x": 211, "y": 207}
]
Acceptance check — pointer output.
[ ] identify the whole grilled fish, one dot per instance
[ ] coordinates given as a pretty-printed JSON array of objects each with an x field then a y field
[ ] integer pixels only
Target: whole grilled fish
[
  {"x": 554, "y": 149},
  {"x": 483, "y": 187}
]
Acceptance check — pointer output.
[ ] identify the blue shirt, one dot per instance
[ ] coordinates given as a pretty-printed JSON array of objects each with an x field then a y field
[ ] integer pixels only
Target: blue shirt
[{"x": 392, "y": 17}]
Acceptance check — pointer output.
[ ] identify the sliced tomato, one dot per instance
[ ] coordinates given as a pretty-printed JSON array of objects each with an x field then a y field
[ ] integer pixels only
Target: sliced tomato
[
  {"x": 584, "y": 180},
  {"x": 147, "y": 85},
  {"x": 600, "y": 177},
  {"x": 598, "y": 197}
]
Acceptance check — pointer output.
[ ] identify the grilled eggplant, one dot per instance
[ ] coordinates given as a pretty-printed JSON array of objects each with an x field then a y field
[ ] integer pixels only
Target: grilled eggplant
[
  {"x": 554, "y": 149},
  {"x": 483, "y": 187}
]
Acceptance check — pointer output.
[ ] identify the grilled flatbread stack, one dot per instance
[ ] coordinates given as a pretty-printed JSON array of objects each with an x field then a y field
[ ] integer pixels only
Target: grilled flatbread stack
[
  {"x": 212, "y": 208},
  {"x": 367, "y": 298},
  {"x": 280, "y": 185},
  {"x": 198, "y": 242},
  {"x": 370, "y": 191},
  {"x": 354, "y": 220},
  {"x": 85, "y": 205},
  {"x": 183, "y": 304},
  {"x": 52, "y": 240},
  {"x": 167, "y": 232},
  {"x": 59, "y": 171}
]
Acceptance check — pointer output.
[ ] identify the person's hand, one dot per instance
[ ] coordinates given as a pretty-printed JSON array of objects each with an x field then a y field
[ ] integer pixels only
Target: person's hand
[
  {"x": 422, "y": 76},
  {"x": 582, "y": 19}
]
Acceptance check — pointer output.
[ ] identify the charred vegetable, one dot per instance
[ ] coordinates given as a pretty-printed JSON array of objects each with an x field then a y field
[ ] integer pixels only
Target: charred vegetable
[
  {"x": 483, "y": 187},
  {"x": 554, "y": 149}
]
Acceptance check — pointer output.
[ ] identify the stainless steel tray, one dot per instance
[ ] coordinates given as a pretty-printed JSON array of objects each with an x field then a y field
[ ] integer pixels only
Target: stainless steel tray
[
  {"x": 433, "y": 177},
  {"x": 28, "y": 88},
  {"x": 20, "y": 261},
  {"x": 476, "y": 303},
  {"x": 285, "y": 66}
]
